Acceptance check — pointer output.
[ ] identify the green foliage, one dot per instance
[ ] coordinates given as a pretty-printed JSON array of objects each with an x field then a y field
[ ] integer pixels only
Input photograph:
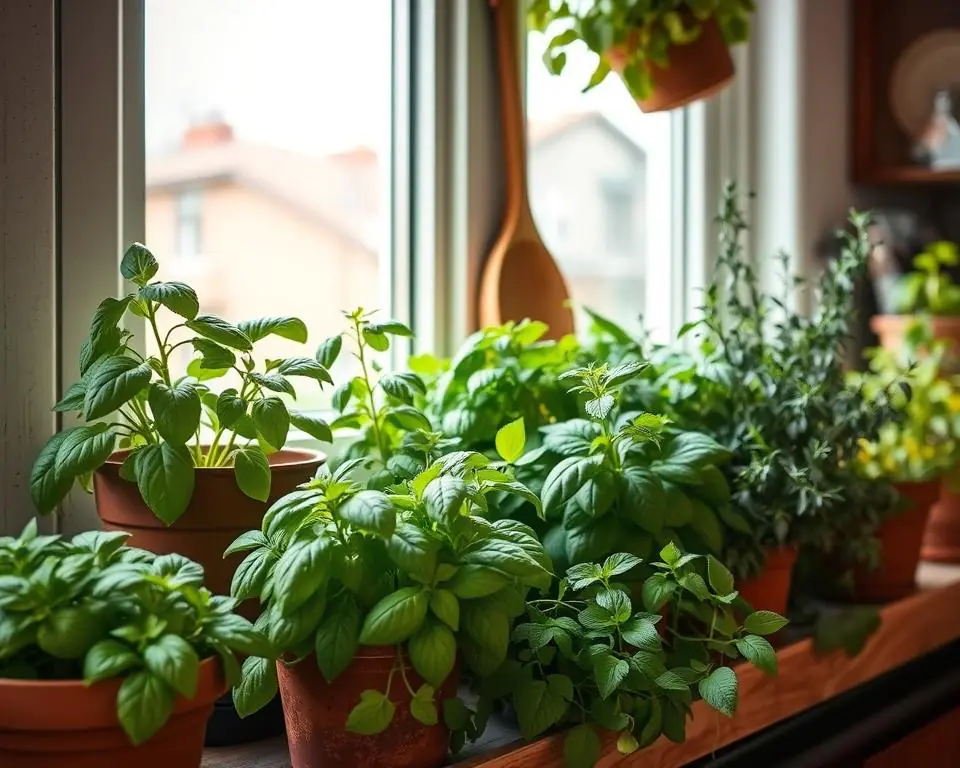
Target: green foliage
[
  {"x": 927, "y": 288},
  {"x": 411, "y": 564},
  {"x": 638, "y": 32},
  {"x": 136, "y": 404},
  {"x": 93, "y": 609},
  {"x": 588, "y": 657}
]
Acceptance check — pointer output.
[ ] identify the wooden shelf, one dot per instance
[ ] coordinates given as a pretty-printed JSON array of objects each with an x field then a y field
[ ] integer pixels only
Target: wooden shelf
[
  {"x": 909, "y": 174},
  {"x": 911, "y": 628}
]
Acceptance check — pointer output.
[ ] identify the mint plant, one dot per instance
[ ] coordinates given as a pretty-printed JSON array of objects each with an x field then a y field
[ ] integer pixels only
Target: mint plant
[
  {"x": 590, "y": 660},
  {"x": 338, "y": 565},
  {"x": 928, "y": 288},
  {"x": 627, "y": 479},
  {"x": 137, "y": 404},
  {"x": 93, "y": 609}
]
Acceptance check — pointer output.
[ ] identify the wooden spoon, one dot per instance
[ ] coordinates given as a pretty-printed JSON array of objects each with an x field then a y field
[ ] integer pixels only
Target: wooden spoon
[{"x": 520, "y": 278}]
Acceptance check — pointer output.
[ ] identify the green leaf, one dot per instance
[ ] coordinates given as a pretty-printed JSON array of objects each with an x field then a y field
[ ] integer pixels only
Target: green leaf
[
  {"x": 219, "y": 330},
  {"x": 408, "y": 417},
  {"x": 306, "y": 367},
  {"x": 570, "y": 438},
  {"x": 721, "y": 580},
  {"x": 246, "y": 541},
  {"x": 719, "y": 690},
  {"x": 445, "y": 606},
  {"x": 338, "y": 637},
  {"x": 274, "y": 382},
  {"x": 48, "y": 485},
  {"x": 329, "y": 351},
  {"x": 563, "y": 482},
  {"x": 138, "y": 264},
  {"x": 72, "y": 399},
  {"x": 581, "y": 746},
  {"x": 538, "y": 707},
  {"x": 444, "y": 497},
  {"x": 108, "y": 658},
  {"x": 376, "y": 340},
  {"x": 372, "y": 715},
  {"x": 609, "y": 672},
  {"x": 112, "y": 382},
  {"x": 173, "y": 660},
  {"x": 301, "y": 571},
  {"x": 706, "y": 524},
  {"x": 230, "y": 407},
  {"x": 671, "y": 681},
  {"x": 251, "y": 575},
  {"x": 272, "y": 421},
  {"x": 395, "y": 617},
  {"x": 370, "y": 511},
  {"x": 657, "y": 590},
  {"x": 252, "y": 469},
  {"x": 510, "y": 441},
  {"x": 475, "y": 581},
  {"x": 179, "y": 298},
  {"x": 341, "y": 396},
  {"x": 619, "y": 563},
  {"x": 176, "y": 410},
  {"x": 258, "y": 686},
  {"x": 485, "y": 629},
  {"x": 694, "y": 449},
  {"x": 215, "y": 357},
  {"x": 758, "y": 652},
  {"x": 764, "y": 622},
  {"x": 413, "y": 551},
  {"x": 508, "y": 556},
  {"x": 423, "y": 707},
  {"x": 292, "y": 328},
  {"x": 391, "y": 327},
  {"x": 641, "y": 633},
  {"x": 433, "y": 651},
  {"x": 84, "y": 449},
  {"x": 312, "y": 425},
  {"x": 455, "y": 714},
  {"x": 144, "y": 704},
  {"x": 597, "y": 494},
  {"x": 165, "y": 477}
]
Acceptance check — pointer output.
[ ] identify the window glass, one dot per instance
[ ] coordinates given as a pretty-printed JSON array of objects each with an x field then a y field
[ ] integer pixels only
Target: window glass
[
  {"x": 601, "y": 189},
  {"x": 267, "y": 138}
]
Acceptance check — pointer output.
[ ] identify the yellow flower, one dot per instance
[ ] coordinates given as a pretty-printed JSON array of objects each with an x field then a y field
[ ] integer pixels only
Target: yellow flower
[
  {"x": 912, "y": 447},
  {"x": 953, "y": 402}
]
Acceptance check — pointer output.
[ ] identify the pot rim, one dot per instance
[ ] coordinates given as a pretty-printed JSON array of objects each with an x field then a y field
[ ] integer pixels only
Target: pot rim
[
  {"x": 67, "y": 684},
  {"x": 891, "y": 319},
  {"x": 298, "y": 457}
]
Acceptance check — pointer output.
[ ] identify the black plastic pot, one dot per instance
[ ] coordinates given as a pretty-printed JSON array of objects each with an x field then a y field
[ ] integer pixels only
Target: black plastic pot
[{"x": 226, "y": 728}]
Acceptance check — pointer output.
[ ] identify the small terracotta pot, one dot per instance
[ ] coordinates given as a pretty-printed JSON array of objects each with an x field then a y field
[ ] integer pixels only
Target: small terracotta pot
[
  {"x": 890, "y": 329},
  {"x": 900, "y": 537},
  {"x": 698, "y": 70},
  {"x": 941, "y": 541},
  {"x": 65, "y": 724},
  {"x": 316, "y": 715},
  {"x": 217, "y": 514},
  {"x": 770, "y": 589}
]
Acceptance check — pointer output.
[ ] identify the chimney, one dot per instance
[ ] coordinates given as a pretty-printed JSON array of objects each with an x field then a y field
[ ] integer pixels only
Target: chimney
[{"x": 208, "y": 131}]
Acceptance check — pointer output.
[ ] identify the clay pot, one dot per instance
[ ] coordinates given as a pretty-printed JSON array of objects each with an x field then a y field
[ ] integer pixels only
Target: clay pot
[
  {"x": 941, "y": 542},
  {"x": 698, "y": 70},
  {"x": 65, "y": 724},
  {"x": 900, "y": 537},
  {"x": 217, "y": 514},
  {"x": 770, "y": 589},
  {"x": 316, "y": 715},
  {"x": 890, "y": 329}
]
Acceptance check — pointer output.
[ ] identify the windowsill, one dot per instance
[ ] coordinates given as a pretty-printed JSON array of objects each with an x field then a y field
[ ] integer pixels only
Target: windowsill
[{"x": 911, "y": 628}]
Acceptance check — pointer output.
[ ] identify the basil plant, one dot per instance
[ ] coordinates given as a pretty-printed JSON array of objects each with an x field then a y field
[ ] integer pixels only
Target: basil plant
[
  {"x": 338, "y": 566},
  {"x": 136, "y": 403},
  {"x": 92, "y": 609}
]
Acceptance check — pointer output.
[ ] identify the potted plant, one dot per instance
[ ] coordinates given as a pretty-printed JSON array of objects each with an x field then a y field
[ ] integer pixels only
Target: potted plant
[
  {"x": 914, "y": 452},
  {"x": 669, "y": 53},
  {"x": 590, "y": 660},
  {"x": 373, "y": 599},
  {"x": 110, "y": 655},
  {"x": 183, "y": 468}
]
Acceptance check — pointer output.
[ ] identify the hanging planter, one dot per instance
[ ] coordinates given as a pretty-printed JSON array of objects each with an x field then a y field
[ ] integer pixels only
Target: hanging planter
[{"x": 669, "y": 53}]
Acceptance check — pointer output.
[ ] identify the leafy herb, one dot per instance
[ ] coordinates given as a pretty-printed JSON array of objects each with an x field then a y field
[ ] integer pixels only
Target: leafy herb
[{"x": 927, "y": 288}]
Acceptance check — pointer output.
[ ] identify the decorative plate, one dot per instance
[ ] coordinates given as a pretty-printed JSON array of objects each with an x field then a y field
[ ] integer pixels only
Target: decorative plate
[{"x": 931, "y": 63}]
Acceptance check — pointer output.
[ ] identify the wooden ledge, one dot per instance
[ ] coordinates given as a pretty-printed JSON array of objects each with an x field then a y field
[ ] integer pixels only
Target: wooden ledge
[{"x": 911, "y": 628}]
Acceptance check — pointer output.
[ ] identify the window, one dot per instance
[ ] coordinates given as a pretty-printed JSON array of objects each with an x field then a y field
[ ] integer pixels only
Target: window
[
  {"x": 268, "y": 154},
  {"x": 615, "y": 171}
]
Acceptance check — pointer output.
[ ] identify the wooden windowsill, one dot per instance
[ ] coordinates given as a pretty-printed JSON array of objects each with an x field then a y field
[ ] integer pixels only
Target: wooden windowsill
[{"x": 911, "y": 628}]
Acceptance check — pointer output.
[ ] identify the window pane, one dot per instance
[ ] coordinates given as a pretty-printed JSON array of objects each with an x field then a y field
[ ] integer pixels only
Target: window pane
[
  {"x": 268, "y": 134},
  {"x": 601, "y": 189}
]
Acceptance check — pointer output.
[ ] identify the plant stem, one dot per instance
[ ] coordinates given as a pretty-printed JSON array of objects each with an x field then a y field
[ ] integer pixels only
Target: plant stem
[
  {"x": 164, "y": 362},
  {"x": 374, "y": 416}
]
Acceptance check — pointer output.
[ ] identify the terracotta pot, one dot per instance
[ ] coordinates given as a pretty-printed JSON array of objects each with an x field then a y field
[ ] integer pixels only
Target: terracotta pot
[
  {"x": 891, "y": 328},
  {"x": 900, "y": 537},
  {"x": 941, "y": 542},
  {"x": 217, "y": 514},
  {"x": 770, "y": 589},
  {"x": 316, "y": 715},
  {"x": 698, "y": 70},
  {"x": 65, "y": 724}
]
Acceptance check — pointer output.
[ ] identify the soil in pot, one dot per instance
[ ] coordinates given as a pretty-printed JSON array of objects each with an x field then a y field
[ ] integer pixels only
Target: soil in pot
[
  {"x": 900, "y": 538},
  {"x": 941, "y": 540},
  {"x": 217, "y": 514},
  {"x": 697, "y": 70},
  {"x": 770, "y": 589},
  {"x": 65, "y": 724},
  {"x": 316, "y": 715}
]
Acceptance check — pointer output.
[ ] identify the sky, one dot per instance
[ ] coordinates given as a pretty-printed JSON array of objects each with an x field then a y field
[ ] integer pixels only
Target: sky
[{"x": 314, "y": 75}]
